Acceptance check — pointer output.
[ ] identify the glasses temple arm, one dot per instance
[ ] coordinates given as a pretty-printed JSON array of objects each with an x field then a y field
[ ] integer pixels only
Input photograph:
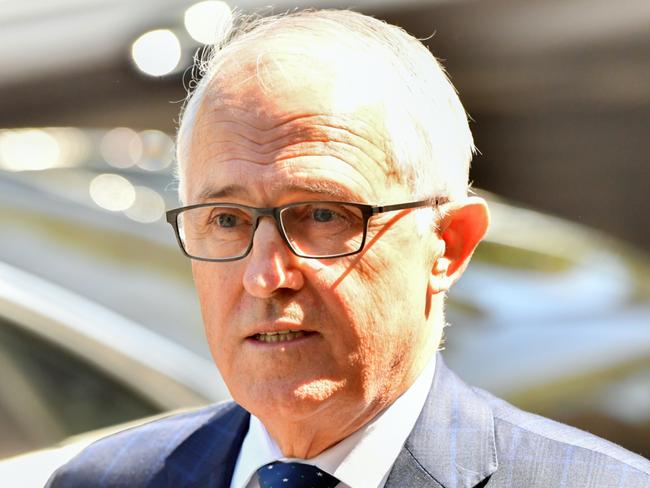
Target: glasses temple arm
[{"x": 432, "y": 202}]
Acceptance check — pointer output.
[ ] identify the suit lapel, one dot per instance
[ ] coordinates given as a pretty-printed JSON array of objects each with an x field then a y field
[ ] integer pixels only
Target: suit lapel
[
  {"x": 452, "y": 444},
  {"x": 207, "y": 457},
  {"x": 407, "y": 471}
]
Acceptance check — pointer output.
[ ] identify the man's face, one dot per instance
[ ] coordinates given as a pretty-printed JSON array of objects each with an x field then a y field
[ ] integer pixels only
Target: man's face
[{"x": 365, "y": 317}]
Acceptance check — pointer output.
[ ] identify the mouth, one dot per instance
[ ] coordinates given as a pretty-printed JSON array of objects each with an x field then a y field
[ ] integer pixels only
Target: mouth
[{"x": 280, "y": 336}]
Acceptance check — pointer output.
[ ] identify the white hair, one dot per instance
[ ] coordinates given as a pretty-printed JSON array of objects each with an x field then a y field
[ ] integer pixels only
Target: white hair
[{"x": 430, "y": 143}]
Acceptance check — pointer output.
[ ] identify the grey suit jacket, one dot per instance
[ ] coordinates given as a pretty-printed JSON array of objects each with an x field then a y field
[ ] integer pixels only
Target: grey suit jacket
[{"x": 464, "y": 437}]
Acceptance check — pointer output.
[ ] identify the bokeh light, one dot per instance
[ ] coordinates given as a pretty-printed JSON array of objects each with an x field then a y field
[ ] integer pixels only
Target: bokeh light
[
  {"x": 157, "y": 150},
  {"x": 207, "y": 22},
  {"x": 75, "y": 147},
  {"x": 28, "y": 150},
  {"x": 148, "y": 206},
  {"x": 112, "y": 192},
  {"x": 157, "y": 52},
  {"x": 121, "y": 147}
]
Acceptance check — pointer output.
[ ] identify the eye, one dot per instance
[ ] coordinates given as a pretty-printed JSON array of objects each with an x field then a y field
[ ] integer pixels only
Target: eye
[
  {"x": 323, "y": 215},
  {"x": 226, "y": 220}
]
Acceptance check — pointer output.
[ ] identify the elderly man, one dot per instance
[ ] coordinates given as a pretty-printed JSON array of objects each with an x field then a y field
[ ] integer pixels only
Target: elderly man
[{"x": 323, "y": 166}]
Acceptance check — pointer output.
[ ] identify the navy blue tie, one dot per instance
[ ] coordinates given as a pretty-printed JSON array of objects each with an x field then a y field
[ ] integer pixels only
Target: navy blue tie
[{"x": 294, "y": 475}]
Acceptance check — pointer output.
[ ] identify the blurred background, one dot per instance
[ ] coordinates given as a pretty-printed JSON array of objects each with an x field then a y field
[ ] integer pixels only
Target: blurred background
[{"x": 98, "y": 319}]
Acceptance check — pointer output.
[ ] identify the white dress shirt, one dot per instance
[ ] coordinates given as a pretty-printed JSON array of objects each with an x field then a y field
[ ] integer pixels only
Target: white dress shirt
[{"x": 361, "y": 460}]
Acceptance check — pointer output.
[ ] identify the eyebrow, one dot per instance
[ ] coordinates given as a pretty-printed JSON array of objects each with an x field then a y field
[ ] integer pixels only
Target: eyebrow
[
  {"x": 322, "y": 189},
  {"x": 226, "y": 191}
]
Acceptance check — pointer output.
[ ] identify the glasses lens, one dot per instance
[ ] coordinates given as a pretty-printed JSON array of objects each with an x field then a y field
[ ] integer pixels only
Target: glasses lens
[
  {"x": 215, "y": 231},
  {"x": 323, "y": 228}
]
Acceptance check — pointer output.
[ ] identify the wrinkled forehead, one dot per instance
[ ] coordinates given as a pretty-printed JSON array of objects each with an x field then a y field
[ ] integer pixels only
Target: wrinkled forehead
[{"x": 275, "y": 95}]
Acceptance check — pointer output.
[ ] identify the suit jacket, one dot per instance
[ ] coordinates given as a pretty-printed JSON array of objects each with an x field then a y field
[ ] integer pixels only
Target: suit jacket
[{"x": 464, "y": 437}]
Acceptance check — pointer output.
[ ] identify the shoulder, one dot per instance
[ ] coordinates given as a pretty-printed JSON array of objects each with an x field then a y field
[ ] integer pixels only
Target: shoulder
[
  {"x": 135, "y": 456},
  {"x": 467, "y": 437},
  {"x": 531, "y": 448}
]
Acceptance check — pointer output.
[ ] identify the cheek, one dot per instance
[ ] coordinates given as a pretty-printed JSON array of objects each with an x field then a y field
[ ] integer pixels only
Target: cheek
[
  {"x": 211, "y": 282},
  {"x": 395, "y": 286},
  {"x": 379, "y": 281},
  {"x": 365, "y": 298},
  {"x": 217, "y": 297}
]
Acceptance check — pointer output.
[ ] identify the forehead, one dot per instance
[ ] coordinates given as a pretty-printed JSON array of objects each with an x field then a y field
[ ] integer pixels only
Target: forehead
[
  {"x": 278, "y": 119},
  {"x": 269, "y": 87}
]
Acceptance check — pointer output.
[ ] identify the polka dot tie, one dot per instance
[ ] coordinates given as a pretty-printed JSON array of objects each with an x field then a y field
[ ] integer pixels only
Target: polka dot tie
[{"x": 294, "y": 475}]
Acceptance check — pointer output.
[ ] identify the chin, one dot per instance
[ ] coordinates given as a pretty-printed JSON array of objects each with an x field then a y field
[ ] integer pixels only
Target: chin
[
  {"x": 291, "y": 400},
  {"x": 319, "y": 390}
]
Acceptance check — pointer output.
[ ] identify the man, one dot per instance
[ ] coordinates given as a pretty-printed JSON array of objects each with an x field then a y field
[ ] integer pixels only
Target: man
[{"x": 323, "y": 167}]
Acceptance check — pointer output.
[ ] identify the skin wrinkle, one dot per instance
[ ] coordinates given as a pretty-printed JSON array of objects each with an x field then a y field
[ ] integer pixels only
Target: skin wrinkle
[
  {"x": 371, "y": 136},
  {"x": 320, "y": 189},
  {"x": 300, "y": 118},
  {"x": 294, "y": 149},
  {"x": 344, "y": 147},
  {"x": 320, "y": 150},
  {"x": 322, "y": 132},
  {"x": 292, "y": 173},
  {"x": 317, "y": 136}
]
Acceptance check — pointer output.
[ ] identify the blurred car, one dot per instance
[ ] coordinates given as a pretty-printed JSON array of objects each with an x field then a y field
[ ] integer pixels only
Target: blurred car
[
  {"x": 68, "y": 365},
  {"x": 550, "y": 315},
  {"x": 555, "y": 318}
]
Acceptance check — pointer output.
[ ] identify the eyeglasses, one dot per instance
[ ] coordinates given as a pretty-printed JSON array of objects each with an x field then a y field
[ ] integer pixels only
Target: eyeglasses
[{"x": 317, "y": 229}]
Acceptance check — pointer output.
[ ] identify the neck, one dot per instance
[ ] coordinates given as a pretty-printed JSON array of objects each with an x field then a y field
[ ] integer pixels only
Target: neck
[{"x": 308, "y": 437}]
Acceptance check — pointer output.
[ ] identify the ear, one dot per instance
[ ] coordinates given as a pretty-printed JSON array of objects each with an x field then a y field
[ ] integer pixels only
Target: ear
[{"x": 463, "y": 225}]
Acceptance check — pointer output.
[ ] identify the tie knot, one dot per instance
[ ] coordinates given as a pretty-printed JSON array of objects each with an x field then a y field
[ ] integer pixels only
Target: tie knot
[{"x": 294, "y": 475}]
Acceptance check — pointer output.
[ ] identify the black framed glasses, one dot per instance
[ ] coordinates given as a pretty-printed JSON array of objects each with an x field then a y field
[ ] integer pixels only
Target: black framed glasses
[{"x": 315, "y": 229}]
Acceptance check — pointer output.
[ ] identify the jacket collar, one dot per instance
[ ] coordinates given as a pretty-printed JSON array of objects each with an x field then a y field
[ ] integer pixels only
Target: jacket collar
[
  {"x": 452, "y": 444},
  {"x": 208, "y": 456}
]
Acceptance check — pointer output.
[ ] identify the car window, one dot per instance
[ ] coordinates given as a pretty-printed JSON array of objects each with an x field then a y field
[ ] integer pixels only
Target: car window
[{"x": 47, "y": 393}]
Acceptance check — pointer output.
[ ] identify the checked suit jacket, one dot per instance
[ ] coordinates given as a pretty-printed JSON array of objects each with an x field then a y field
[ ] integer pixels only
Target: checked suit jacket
[{"x": 464, "y": 437}]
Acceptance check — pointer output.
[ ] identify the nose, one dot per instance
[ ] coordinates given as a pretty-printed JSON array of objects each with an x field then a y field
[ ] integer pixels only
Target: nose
[{"x": 270, "y": 266}]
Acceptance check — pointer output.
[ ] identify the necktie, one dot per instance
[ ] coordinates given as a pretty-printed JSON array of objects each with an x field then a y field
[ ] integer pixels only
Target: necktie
[{"x": 294, "y": 475}]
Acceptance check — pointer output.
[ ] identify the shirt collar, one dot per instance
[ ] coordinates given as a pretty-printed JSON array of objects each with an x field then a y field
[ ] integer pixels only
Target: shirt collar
[{"x": 376, "y": 444}]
